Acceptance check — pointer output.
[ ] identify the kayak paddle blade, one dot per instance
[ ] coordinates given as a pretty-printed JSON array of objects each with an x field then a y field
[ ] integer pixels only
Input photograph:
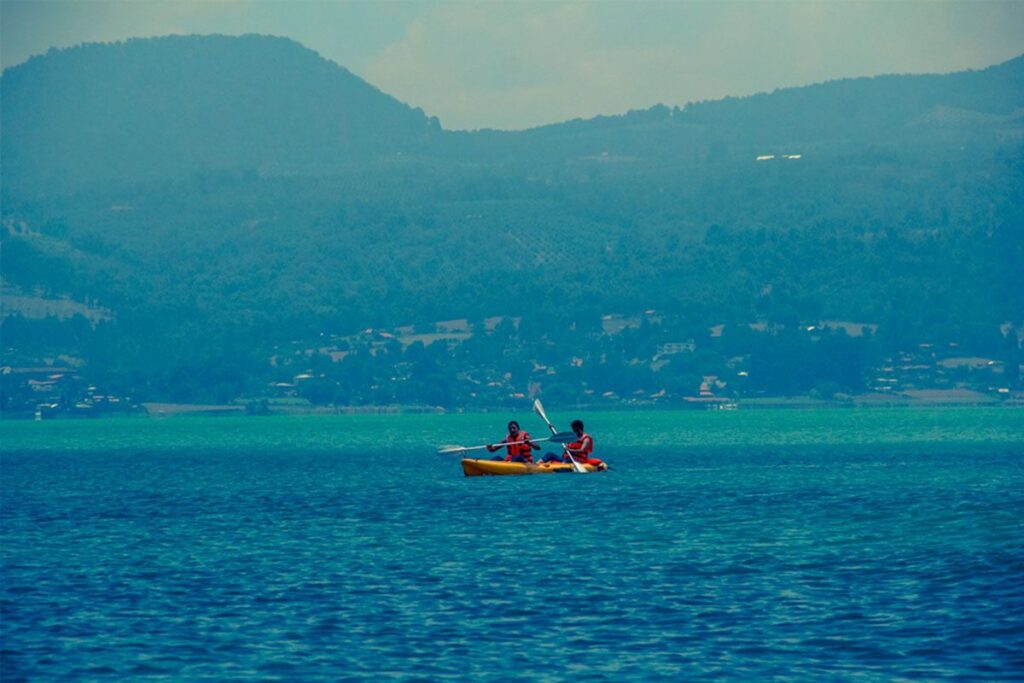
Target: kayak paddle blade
[{"x": 539, "y": 409}]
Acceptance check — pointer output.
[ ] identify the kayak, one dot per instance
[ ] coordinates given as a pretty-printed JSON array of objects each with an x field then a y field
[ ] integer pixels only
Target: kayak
[{"x": 480, "y": 468}]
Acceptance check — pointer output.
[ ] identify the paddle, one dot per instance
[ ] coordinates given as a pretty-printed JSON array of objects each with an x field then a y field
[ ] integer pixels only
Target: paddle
[
  {"x": 539, "y": 409},
  {"x": 559, "y": 437}
]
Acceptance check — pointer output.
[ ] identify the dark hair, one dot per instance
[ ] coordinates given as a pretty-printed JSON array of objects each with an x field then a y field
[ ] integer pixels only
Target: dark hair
[
  {"x": 577, "y": 423},
  {"x": 513, "y": 422}
]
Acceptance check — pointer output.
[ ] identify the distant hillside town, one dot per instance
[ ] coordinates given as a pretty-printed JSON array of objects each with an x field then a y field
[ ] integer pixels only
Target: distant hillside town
[{"x": 619, "y": 361}]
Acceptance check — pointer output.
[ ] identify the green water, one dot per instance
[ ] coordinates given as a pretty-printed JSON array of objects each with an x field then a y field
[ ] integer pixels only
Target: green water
[{"x": 942, "y": 429}]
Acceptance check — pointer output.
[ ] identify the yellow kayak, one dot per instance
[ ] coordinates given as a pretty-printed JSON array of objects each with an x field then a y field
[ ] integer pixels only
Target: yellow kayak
[{"x": 480, "y": 468}]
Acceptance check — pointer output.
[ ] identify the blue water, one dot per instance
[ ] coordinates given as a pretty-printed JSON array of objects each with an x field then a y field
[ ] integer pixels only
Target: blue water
[{"x": 289, "y": 560}]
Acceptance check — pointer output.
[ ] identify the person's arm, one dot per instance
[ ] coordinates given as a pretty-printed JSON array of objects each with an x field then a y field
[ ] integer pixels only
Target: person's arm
[
  {"x": 491, "y": 448},
  {"x": 529, "y": 442}
]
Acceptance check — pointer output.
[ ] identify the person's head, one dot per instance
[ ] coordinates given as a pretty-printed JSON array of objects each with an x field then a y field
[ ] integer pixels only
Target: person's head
[
  {"x": 513, "y": 427},
  {"x": 577, "y": 427}
]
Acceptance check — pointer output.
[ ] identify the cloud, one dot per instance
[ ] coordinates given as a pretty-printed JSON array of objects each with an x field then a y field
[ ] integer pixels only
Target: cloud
[
  {"x": 469, "y": 62},
  {"x": 516, "y": 65}
]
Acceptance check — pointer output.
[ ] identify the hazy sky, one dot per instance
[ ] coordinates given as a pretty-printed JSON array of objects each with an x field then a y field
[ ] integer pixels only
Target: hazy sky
[{"x": 520, "y": 64}]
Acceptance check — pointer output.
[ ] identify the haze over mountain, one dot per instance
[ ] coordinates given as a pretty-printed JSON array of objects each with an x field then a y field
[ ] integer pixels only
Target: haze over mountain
[
  {"x": 218, "y": 195},
  {"x": 177, "y": 106}
]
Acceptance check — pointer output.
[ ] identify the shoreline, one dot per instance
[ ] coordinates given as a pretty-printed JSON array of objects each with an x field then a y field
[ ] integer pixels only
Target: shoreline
[{"x": 160, "y": 411}]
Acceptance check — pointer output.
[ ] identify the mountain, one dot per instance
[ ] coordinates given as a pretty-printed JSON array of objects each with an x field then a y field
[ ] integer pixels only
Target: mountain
[
  {"x": 219, "y": 198},
  {"x": 175, "y": 106},
  {"x": 851, "y": 112}
]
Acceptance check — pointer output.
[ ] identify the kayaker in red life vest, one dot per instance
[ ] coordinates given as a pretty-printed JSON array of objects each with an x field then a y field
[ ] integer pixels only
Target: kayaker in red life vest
[
  {"x": 518, "y": 444},
  {"x": 580, "y": 449}
]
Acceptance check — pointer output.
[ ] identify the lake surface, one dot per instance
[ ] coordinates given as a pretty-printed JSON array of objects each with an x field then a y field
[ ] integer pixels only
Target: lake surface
[{"x": 828, "y": 545}]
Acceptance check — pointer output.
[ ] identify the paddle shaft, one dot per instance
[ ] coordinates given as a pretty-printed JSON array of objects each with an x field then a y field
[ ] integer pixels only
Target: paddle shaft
[
  {"x": 555, "y": 436},
  {"x": 539, "y": 409}
]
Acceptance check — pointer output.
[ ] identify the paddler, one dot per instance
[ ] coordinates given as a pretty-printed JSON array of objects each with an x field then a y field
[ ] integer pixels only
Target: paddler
[
  {"x": 518, "y": 443},
  {"x": 580, "y": 449}
]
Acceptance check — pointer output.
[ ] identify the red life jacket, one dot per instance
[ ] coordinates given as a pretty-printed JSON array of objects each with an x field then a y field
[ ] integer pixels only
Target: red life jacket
[
  {"x": 519, "y": 446},
  {"x": 576, "y": 446},
  {"x": 584, "y": 458}
]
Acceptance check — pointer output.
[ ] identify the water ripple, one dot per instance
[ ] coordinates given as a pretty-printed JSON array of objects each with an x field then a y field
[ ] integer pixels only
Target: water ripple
[{"x": 299, "y": 564}]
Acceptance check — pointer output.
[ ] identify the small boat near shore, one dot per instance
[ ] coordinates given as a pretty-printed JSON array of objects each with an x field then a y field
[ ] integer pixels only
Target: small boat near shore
[{"x": 479, "y": 468}]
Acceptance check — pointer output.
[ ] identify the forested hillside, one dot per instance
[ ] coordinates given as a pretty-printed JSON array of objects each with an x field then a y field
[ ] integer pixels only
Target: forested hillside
[{"x": 224, "y": 198}]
